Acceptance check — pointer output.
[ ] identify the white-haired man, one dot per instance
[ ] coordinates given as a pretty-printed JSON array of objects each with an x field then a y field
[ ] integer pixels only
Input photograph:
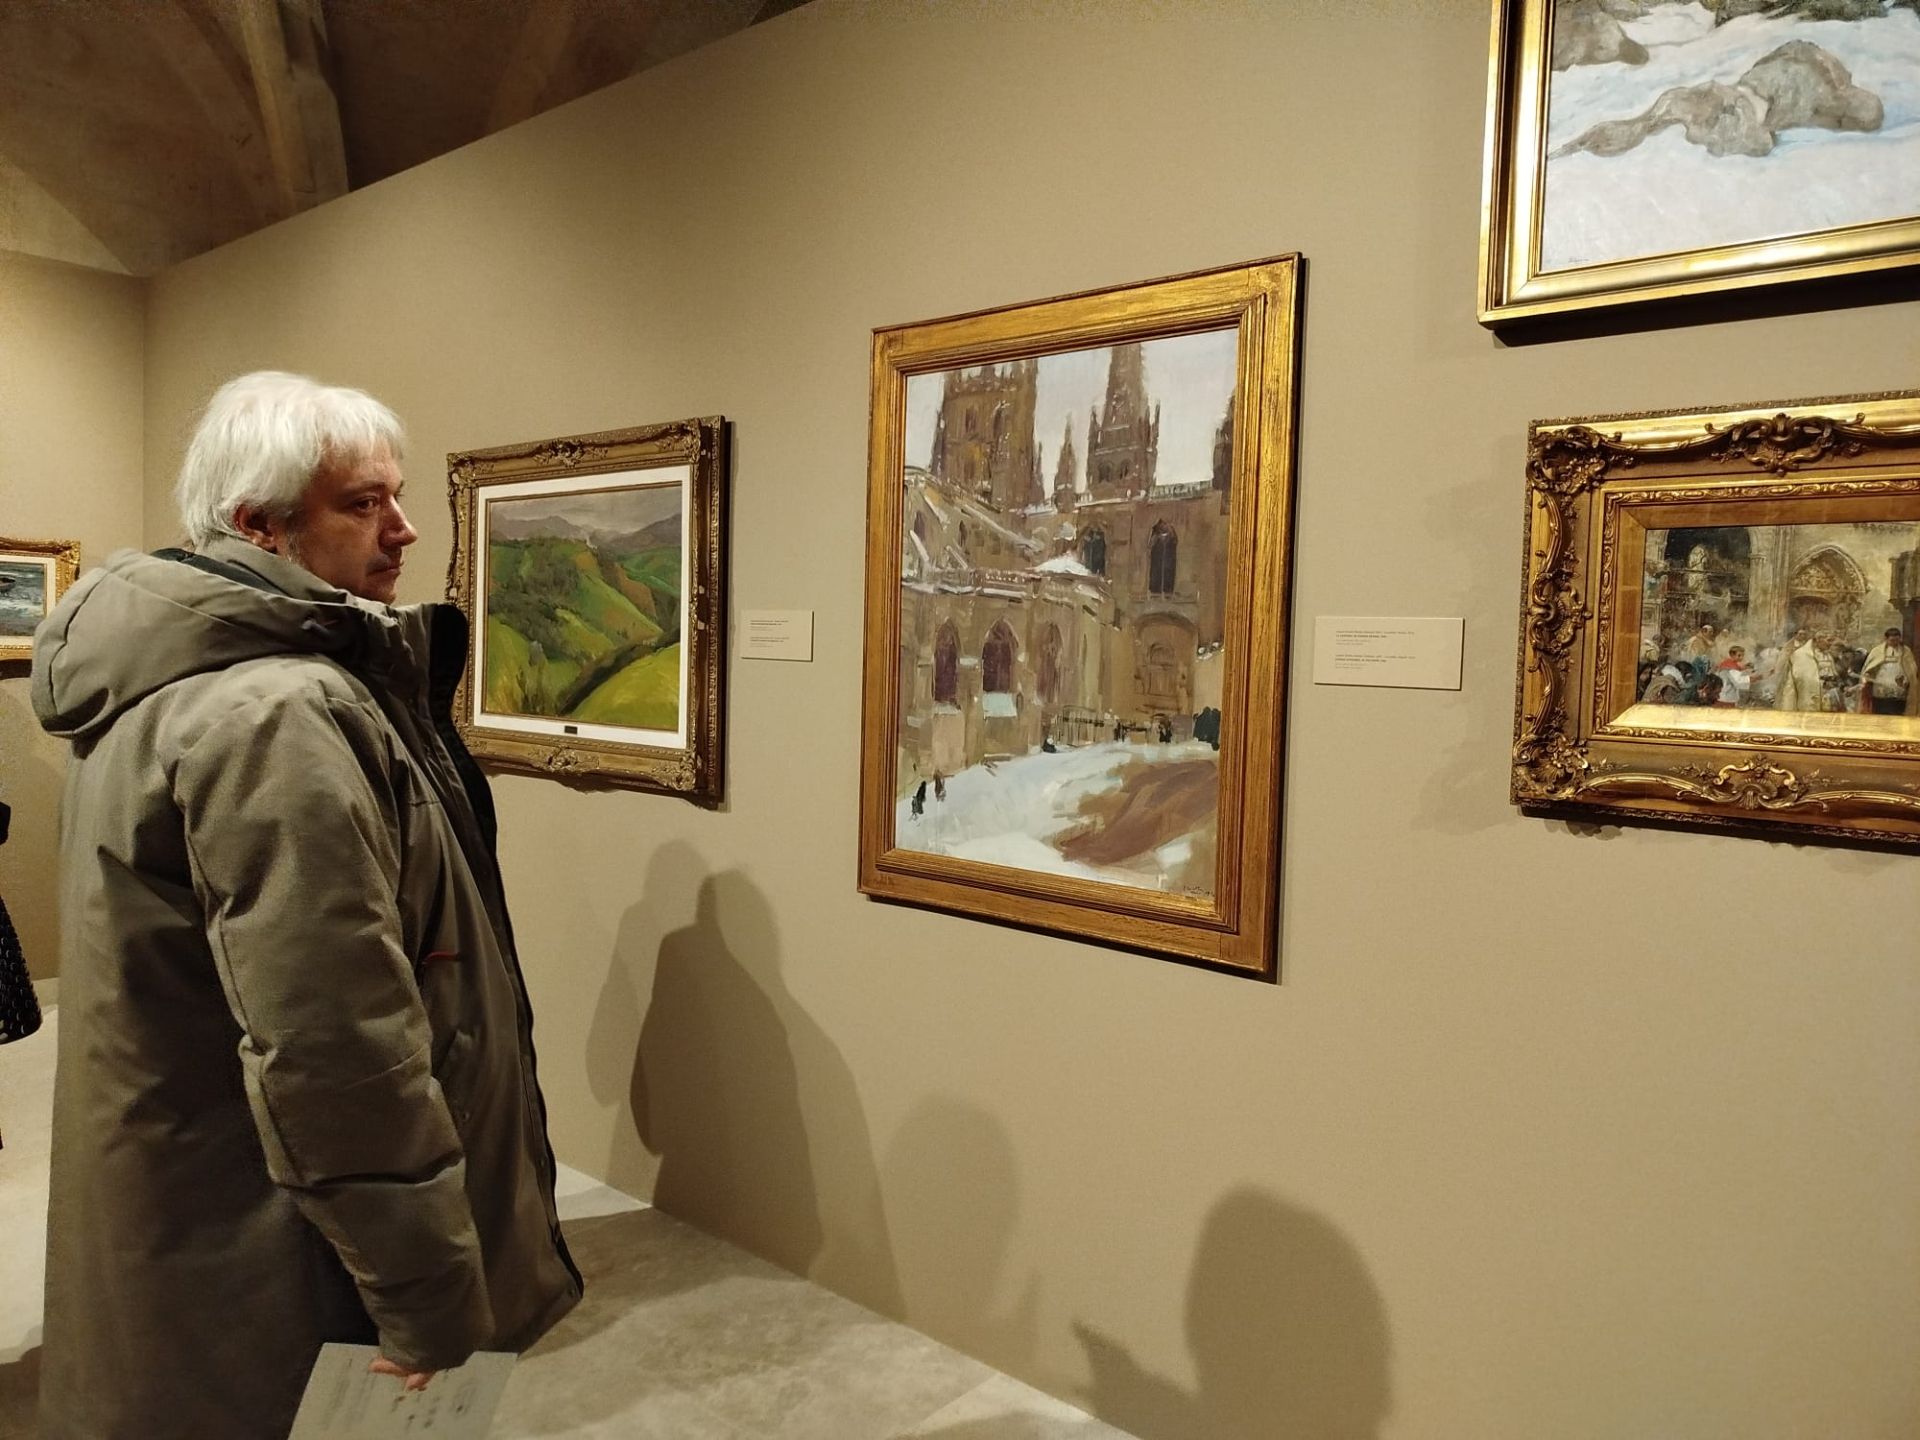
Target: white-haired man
[{"x": 295, "y": 1098}]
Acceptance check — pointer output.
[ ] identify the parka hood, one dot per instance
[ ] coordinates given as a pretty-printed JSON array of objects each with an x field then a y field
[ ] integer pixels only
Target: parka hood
[{"x": 141, "y": 622}]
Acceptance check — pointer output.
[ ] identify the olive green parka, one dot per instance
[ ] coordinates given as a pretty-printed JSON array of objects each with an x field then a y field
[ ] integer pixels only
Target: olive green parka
[{"x": 295, "y": 1096}]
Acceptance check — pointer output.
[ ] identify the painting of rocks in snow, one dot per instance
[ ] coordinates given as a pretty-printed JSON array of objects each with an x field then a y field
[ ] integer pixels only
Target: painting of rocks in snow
[
  {"x": 1063, "y": 597},
  {"x": 1675, "y": 126}
]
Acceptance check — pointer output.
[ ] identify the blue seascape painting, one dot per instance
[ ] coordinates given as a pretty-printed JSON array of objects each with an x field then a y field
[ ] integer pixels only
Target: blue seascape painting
[{"x": 23, "y": 597}]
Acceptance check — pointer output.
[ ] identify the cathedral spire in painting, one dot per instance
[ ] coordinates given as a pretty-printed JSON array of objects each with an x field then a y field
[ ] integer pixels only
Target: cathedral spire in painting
[
  {"x": 1063, "y": 495},
  {"x": 1123, "y": 437}
]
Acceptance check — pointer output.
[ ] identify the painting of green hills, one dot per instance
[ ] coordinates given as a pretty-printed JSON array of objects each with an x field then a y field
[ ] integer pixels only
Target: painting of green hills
[{"x": 582, "y": 614}]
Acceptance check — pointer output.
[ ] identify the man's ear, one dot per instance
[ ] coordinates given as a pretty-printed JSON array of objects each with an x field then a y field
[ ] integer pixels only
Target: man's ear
[{"x": 255, "y": 526}]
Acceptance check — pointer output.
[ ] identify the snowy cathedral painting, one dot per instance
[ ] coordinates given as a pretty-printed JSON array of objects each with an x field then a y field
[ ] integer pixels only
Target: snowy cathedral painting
[
  {"x": 1063, "y": 594},
  {"x": 1683, "y": 125}
]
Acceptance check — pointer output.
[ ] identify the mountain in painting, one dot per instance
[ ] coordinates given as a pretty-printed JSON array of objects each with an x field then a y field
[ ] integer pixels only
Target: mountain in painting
[{"x": 583, "y": 624}]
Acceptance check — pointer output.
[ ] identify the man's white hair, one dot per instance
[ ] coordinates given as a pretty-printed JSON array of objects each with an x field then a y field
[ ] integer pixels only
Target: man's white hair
[{"x": 261, "y": 440}]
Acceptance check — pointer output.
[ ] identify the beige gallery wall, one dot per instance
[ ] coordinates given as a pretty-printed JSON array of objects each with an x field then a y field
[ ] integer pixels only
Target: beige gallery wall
[
  {"x": 1545, "y": 1133},
  {"x": 72, "y": 359}
]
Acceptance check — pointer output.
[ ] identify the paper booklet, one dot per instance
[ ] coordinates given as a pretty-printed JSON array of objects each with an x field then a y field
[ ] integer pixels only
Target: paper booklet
[{"x": 344, "y": 1401}]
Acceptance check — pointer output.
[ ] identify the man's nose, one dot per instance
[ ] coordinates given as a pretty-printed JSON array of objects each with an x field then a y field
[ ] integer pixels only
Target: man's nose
[{"x": 399, "y": 531}]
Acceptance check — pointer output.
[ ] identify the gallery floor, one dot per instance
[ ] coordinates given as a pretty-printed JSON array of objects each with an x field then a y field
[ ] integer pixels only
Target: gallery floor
[{"x": 681, "y": 1337}]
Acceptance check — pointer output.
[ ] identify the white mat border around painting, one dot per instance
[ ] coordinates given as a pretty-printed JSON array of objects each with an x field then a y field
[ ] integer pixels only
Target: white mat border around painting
[{"x": 655, "y": 476}]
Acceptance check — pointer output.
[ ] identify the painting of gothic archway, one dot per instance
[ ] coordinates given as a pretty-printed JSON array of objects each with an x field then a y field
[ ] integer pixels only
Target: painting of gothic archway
[
  {"x": 1788, "y": 619},
  {"x": 1720, "y": 619},
  {"x": 1069, "y": 703}
]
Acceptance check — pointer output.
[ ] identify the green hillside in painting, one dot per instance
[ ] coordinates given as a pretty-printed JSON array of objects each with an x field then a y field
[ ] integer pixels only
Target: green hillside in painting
[
  {"x": 645, "y": 693},
  {"x": 576, "y": 631}
]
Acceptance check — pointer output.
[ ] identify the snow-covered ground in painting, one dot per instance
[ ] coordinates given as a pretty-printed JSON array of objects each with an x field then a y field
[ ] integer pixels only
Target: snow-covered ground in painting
[
  {"x": 1667, "y": 195},
  {"x": 1008, "y": 812}
]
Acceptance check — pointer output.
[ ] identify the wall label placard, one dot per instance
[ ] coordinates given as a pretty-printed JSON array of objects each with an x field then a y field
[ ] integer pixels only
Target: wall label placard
[
  {"x": 776, "y": 635},
  {"x": 1401, "y": 652}
]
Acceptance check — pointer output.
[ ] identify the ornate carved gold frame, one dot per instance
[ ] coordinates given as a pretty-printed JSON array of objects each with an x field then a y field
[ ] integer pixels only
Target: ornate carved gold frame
[
  {"x": 1512, "y": 285},
  {"x": 62, "y": 559},
  {"x": 695, "y": 769},
  {"x": 1236, "y": 929},
  {"x": 1580, "y": 743}
]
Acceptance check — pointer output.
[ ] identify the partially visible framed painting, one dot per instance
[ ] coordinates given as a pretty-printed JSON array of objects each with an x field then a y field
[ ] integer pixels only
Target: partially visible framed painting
[
  {"x": 1719, "y": 620},
  {"x": 1656, "y": 149},
  {"x": 592, "y": 568},
  {"x": 1076, "y": 642},
  {"x": 34, "y": 574}
]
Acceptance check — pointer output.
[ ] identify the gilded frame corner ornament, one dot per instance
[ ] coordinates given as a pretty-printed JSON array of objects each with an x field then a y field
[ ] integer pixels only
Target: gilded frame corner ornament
[
  {"x": 1587, "y": 741},
  {"x": 1233, "y": 925},
  {"x": 58, "y": 562},
  {"x": 688, "y": 764},
  {"x": 1520, "y": 282}
]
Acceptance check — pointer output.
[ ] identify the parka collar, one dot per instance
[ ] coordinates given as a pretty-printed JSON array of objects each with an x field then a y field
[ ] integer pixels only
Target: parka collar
[{"x": 142, "y": 622}]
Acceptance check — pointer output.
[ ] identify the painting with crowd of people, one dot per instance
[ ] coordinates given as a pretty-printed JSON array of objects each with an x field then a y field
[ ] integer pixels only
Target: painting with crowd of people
[{"x": 1784, "y": 618}]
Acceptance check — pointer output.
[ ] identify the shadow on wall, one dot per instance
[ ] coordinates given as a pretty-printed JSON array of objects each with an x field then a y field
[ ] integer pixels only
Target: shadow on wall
[
  {"x": 751, "y": 1109},
  {"x": 1288, "y": 1334},
  {"x": 613, "y": 1033},
  {"x": 951, "y": 1168},
  {"x": 20, "y": 1396}
]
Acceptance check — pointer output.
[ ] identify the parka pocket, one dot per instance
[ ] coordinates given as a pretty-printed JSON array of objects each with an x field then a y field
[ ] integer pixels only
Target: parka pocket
[
  {"x": 441, "y": 977},
  {"x": 452, "y": 1068}
]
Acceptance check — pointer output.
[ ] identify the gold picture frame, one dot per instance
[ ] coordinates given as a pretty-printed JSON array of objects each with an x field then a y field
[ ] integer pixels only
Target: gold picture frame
[
  {"x": 1593, "y": 200},
  {"x": 1109, "y": 653},
  {"x": 34, "y": 574},
  {"x": 593, "y": 570},
  {"x": 1718, "y": 620}
]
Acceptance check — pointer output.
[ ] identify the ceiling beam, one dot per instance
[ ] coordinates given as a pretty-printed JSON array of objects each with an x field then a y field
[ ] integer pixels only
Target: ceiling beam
[
  {"x": 532, "y": 63},
  {"x": 683, "y": 25},
  {"x": 186, "y": 35},
  {"x": 286, "y": 50}
]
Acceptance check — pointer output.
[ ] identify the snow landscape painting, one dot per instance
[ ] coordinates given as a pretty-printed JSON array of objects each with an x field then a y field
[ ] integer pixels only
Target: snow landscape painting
[
  {"x": 1073, "y": 696},
  {"x": 1063, "y": 601},
  {"x": 1675, "y": 126}
]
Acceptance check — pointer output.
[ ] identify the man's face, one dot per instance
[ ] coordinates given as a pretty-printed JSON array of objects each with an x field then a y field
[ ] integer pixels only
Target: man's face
[{"x": 349, "y": 529}]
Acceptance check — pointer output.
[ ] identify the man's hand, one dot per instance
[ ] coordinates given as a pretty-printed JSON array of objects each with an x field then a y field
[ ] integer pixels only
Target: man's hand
[{"x": 415, "y": 1379}]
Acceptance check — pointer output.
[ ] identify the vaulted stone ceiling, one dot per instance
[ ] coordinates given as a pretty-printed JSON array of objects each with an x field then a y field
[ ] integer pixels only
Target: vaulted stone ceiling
[{"x": 137, "y": 133}]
